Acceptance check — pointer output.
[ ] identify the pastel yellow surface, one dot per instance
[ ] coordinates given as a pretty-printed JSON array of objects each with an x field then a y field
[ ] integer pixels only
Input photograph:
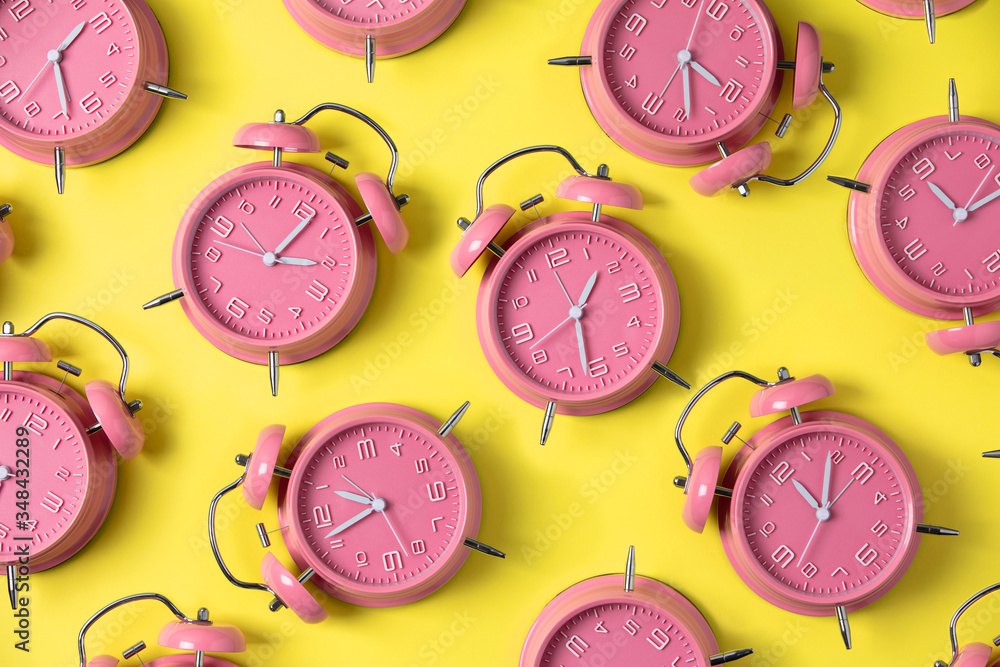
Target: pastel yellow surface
[{"x": 765, "y": 281}]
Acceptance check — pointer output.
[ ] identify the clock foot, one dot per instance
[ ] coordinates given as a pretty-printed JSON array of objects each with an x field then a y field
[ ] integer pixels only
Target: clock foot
[
  {"x": 845, "y": 627},
  {"x": 630, "y": 570},
  {"x": 272, "y": 369},
  {"x": 484, "y": 548},
  {"x": 995, "y": 454},
  {"x": 453, "y": 420},
  {"x": 550, "y": 415},
  {"x": 850, "y": 184},
  {"x": 729, "y": 656},
  {"x": 953, "y": 101},
  {"x": 12, "y": 585},
  {"x": 370, "y": 57},
  {"x": 574, "y": 61},
  {"x": 929, "y": 19},
  {"x": 928, "y": 529},
  {"x": 166, "y": 298},
  {"x": 60, "y": 165},
  {"x": 670, "y": 375},
  {"x": 164, "y": 91},
  {"x": 5, "y": 210}
]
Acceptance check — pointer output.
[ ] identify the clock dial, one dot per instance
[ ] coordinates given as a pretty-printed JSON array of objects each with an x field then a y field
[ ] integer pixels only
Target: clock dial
[
  {"x": 271, "y": 260},
  {"x": 936, "y": 214},
  {"x": 379, "y": 11},
  {"x": 380, "y": 508},
  {"x": 46, "y": 463}
]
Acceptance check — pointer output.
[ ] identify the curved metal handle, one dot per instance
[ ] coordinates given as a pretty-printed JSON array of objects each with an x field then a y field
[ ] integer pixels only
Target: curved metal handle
[
  {"x": 215, "y": 546},
  {"x": 837, "y": 120},
  {"x": 123, "y": 601},
  {"x": 548, "y": 148},
  {"x": 701, "y": 392},
  {"x": 953, "y": 632},
  {"x": 90, "y": 325},
  {"x": 333, "y": 106}
]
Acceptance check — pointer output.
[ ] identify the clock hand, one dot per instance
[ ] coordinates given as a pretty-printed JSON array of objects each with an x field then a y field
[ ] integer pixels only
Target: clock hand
[
  {"x": 61, "y": 88},
  {"x": 827, "y": 469},
  {"x": 819, "y": 522},
  {"x": 364, "y": 500},
  {"x": 670, "y": 80},
  {"x": 708, "y": 76},
  {"x": 366, "y": 494},
  {"x": 840, "y": 494},
  {"x": 295, "y": 232},
  {"x": 294, "y": 261},
  {"x": 984, "y": 201},
  {"x": 805, "y": 494},
  {"x": 71, "y": 36},
  {"x": 350, "y": 522},
  {"x": 686, "y": 74},
  {"x": 236, "y": 247},
  {"x": 40, "y": 72},
  {"x": 55, "y": 60},
  {"x": 945, "y": 199},
  {"x": 981, "y": 184},
  {"x": 563, "y": 288},
  {"x": 554, "y": 329},
  {"x": 694, "y": 28},
  {"x": 587, "y": 289},
  {"x": 579, "y": 344},
  {"x": 385, "y": 515},
  {"x": 255, "y": 241}
]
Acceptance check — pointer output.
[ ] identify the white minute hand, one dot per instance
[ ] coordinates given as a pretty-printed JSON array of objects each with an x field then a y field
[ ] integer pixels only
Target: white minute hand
[
  {"x": 295, "y": 232},
  {"x": 985, "y": 200}
]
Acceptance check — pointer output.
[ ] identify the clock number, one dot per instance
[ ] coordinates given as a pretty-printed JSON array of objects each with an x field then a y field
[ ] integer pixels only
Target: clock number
[
  {"x": 781, "y": 472},
  {"x": 361, "y": 558},
  {"x": 218, "y": 284},
  {"x": 3, "y": 61},
  {"x": 768, "y": 528},
  {"x": 540, "y": 357},
  {"x": 4, "y": 531},
  {"x": 652, "y": 103},
  {"x": 522, "y": 333},
  {"x": 32, "y": 109},
  {"x": 392, "y": 561},
  {"x": 866, "y": 555},
  {"x": 91, "y": 102},
  {"x": 520, "y": 302},
  {"x": 321, "y": 515},
  {"x": 35, "y": 424},
  {"x": 246, "y": 206},
  {"x": 397, "y": 448},
  {"x": 556, "y": 257},
  {"x": 688, "y": 3},
  {"x": 108, "y": 79},
  {"x": 717, "y": 9},
  {"x": 906, "y": 192},
  {"x": 629, "y": 292},
  {"x": 434, "y": 524},
  {"x": 577, "y": 646},
  {"x": 20, "y": 9},
  {"x": 78, "y": 4},
  {"x": 596, "y": 368},
  {"x": 742, "y": 62},
  {"x": 329, "y": 263},
  {"x": 634, "y": 322},
  {"x": 63, "y": 474},
  {"x": 265, "y": 316},
  {"x": 783, "y": 556},
  {"x": 336, "y": 544},
  {"x": 880, "y": 528},
  {"x": 901, "y": 223},
  {"x": 983, "y": 161},
  {"x": 113, "y": 48},
  {"x": 736, "y": 33},
  {"x": 680, "y": 115},
  {"x": 938, "y": 269},
  {"x": 52, "y": 502},
  {"x": 532, "y": 276},
  {"x": 915, "y": 250},
  {"x": 766, "y": 499},
  {"x": 340, "y": 461},
  {"x": 213, "y": 254},
  {"x": 993, "y": 262},
  {"x": 631, "y": 627},
  {"x": 366, "y": 449},
  {"x": 237, "y": 307},
  {"x": 627, "y": 51},
  {"x": 317, "y": 290},
  {"x": 422, "y": 465},
  {"x": 613, "y": 267},
  {"x": 567, "y": 369},
  {"x": 809, "y": 570},
  {"x": 631, "y": 83},
  {"x": 863, "y": 472},
  {"x": 636, "y": 23},
  {"x": 837, "y": 456},
  {"x": 296, "y": 312},
  {"x": 658, "y": 638},
  {"x": 621, "y": 349},
  {"x": 418, "y": 547},
  {"x": 924, "y": 168},
  {"x": 731, "y": 90},
  {"x": 880, "y": 497},
  {"x": 303, "y": 211},
  {"x": 436, "y": 492},
  {"x": 840, "y": 569},
  {"x": 9, "y": 91},
  {"x": 102, "y": 23},
  {"x": 223, "y": 226}
]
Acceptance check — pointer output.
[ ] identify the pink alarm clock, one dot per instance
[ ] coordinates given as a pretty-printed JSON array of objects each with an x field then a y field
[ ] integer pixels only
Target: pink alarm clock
[
  {"x": 619, "y": 296},
  {"x": 641, "y": 622},
  {"x": 6, "y": 235},
  {"x": 377, "y": 505},
  {"x": 372, "y": 29},
  {"x": 57, "y": 451},
  {"x": 684, "y": 82},
  {"x": 819, "y": 511},
  {"x": 974, "y": 654},
  {"x": 916, "y": 9},
  {"x": 81, "y": 82},
  {"x": 275, "y": 258},
  {"x": 922, "y": 226},
  {"x": 195, "y": 636}
]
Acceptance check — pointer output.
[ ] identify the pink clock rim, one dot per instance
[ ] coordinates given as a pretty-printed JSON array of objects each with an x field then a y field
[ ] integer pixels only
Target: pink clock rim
[
  {"x": 654, "y": 146},
  {"x": 572, "y": 403},
  {"x": 890, "y": 8},
  {"x": 864, "y": 230},
  {"x": 609, "y": 589},
  {"x": 307, "y": 344},
  {"x": 739, "y": 554},
  {"x": 454, "y": 555}
]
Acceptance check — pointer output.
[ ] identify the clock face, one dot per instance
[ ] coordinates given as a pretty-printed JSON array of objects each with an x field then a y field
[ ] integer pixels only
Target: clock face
[
  {"x": 688, "y": 70},
  {"x": 636, "y": 633},
  {"x": 379, "y": 506},
  {"x": 45, "y": 462},
  {"x": 856, "y": 538},
  {"x": 97, "y": 47},
  {"x": 539, "y": 294},
  {"x": 269, "y": 258},
  {"x": 375, "y": 11},
  {"x": 937, "y": 214}
]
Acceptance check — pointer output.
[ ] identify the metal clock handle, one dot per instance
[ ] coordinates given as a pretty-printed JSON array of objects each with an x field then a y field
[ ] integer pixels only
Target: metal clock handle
[
  {"x": 202, "y": 616},
  {"x": 952, "y": 628}
]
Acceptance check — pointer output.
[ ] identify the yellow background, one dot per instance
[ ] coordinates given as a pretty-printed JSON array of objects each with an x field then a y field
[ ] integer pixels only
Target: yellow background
[{"x": 765, "y": 281}]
